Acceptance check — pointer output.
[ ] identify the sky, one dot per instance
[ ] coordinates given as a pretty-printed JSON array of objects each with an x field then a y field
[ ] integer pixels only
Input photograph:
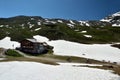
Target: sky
[{"x": 65, "y": 9}]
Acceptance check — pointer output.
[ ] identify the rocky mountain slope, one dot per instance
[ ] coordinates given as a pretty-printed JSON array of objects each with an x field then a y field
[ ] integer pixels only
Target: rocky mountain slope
[
  {"x": 102, "y": 31},
  {"x": 113, "y": 19}
]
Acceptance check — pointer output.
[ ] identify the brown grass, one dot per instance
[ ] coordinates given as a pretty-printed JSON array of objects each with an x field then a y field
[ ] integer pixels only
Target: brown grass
[
  {"x": 114, "y": 67},
  {"x": 30, "y": 60}
]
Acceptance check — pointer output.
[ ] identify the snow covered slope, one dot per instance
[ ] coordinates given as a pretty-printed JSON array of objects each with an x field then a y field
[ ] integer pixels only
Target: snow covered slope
[
  {"x": 95, "y": 51},
  {"x": 114, "y": 19},
  {"x": 38, "y": 71},
  {"x": 8, "y": 44},
  {"x": 62, "y": 47}
]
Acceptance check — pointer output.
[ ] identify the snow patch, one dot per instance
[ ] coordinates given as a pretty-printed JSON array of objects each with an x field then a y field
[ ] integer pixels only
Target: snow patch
[
  {"x": 7, "y": 26},
  {"x": 60, "y": 21},
  {"x": 84, "y": 23},
  {"x": 1, "y": 25},
  {"x": 32, "y": 19},
  {"x": 108, "y": 19},
  {"x": 8, "y": 44},
  {"x": 105, "y": 20},
  {"x": 48, "y": 21},
  {"x": 41, "y": 38},
  {"x": 37, "y": 29},
  {"x": 116, "y": 14},
  {"x": 76, "y": 30},
  {"x": 87, "y": 24},
  {"x": 37, "y": 71},
  {"x": 53, "y": 22},
  {"x": 88, "y": 36},
  {"x": 22, "y": 25},
  {"x": 83, "y": 32},
  {"x": 116, "y": 25},
  {"x": 30, "y": 25},
  {"x": 72, "y": 22},
  {"x": 80, "y": 64},
  {"x": 97, "y": 51},
  {"x": 70, "y": 25},
  {"x": 39, "y": 23},
  {"x": 2, "y": 58}
]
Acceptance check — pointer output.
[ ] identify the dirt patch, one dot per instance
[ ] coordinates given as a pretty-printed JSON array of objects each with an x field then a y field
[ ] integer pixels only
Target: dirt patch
[{"x": 2, "y": 52}]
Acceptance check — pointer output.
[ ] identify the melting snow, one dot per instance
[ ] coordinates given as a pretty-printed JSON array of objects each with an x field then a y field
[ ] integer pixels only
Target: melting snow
[
  {"x": 7, "y": 25},
  {"x": 109, "y": 19},
  {"x": 115, "y": 25},
  {"x": 76, "y": 30},
  {"x": 37, "y": 29},
  {"x": 116, "y": 14},
  {"x": 2, "y": 58},
  {"x": 39, "y": 23},
  {"x": 1, "y": 25},
  {"x": 72, "y": 22},
  {"x": 87, "y": 24},
  {"x": 32, "y": 19},
  {"x": 106, "y": 20},
  {"x": 70, "y": 25},
  {"x": 37, "y": 71},
  {"x": 83, "y": 32},
  {"x": 41, "y": 38},
  {"x": 53, "y": 22},
  {"x": 22, "y": 25},
  {"x": 7, "y": 43},
  {"x": 60, "y": 21},
  {"x": 62, "y": 47},
  {"x": 81, "y": 64},
  {"x": 30, "y": 25},
  {"x": 96, "y": 51},
  {"x": 88, "y": 36},
  {"x": 82, "y": 23}
]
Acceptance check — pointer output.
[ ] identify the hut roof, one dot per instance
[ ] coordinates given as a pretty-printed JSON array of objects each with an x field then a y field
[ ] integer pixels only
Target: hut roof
[{"x": 32, "y": 40}]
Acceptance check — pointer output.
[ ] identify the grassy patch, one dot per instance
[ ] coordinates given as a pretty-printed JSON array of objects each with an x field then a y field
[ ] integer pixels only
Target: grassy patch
[{"x": 12, "y": 53}]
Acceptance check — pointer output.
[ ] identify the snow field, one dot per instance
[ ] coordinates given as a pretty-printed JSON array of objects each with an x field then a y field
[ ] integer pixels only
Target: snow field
[
  {"x": 7, "y": 43},
  {"x": 88, "y": 36},
  {"x": 61, "y": 47},
  {"x": 96, "y": 51},
  {"x": 65, "y": 71}
]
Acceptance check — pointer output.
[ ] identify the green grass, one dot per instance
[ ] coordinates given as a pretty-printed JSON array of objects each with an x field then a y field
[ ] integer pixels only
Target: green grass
[{"x": 12, "y": 53}]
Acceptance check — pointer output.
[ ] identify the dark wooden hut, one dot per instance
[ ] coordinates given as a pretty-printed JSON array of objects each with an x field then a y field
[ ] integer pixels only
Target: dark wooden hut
[{"x": 34, "y": 47}]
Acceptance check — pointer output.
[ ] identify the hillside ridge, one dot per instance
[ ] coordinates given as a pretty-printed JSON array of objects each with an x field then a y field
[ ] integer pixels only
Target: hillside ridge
[{"x": 93, "y": 31}]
